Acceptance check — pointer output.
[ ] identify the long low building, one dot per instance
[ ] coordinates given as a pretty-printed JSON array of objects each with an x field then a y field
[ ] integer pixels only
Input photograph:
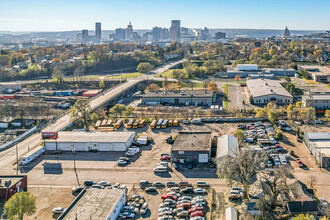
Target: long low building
[
  {"x": 320, "y": 101},
  {"x": 264, "y": 91},
  {"x": 319, "y": 146},
  {"x": 100, "y": 204},
  {"x": 90, "y": 141},
  {"x": 183, "y": 97},
  {"x": 318, "y": 73}
]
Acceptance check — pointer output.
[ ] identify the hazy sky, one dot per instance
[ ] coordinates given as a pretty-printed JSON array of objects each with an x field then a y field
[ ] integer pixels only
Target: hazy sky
[{"x": 63, "y": 15}]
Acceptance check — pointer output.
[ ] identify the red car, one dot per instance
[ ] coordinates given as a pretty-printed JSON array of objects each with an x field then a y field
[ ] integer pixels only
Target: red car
[
  {"x": 278, "y": 146},
  {"x": 194, "y": 209},
  {"x": 169, "y": 196},
  {"x": 300, "y": 164},
  {"x": 184, "y": 183},
  {"x": 184, "y": 205},
  {"x": 165, "y": 157},
  {"x": 197, "y": 213}
]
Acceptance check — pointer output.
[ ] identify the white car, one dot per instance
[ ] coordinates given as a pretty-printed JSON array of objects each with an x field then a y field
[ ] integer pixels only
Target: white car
[
  {"x": 199, "y": 191},
  {"x": 165, "y": 209},
  {"x": 144, "y": 208},
  {"x": 186, "y": 122},
  {"x": 122, "y": 162},
  {"x": 104, "y": 183},
  {"x": 269, "y": 163},
  {"x": 130, "y": 153},
  {"x": 127, "y": 215},
  {"x": 287, "y": 128},
  {"x": 134, "y": 149},
  {"x": 58, "y": 210}
]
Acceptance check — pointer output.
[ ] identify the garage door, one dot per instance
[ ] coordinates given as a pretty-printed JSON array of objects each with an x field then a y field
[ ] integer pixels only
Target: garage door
[{"x": 203, "y": 158}]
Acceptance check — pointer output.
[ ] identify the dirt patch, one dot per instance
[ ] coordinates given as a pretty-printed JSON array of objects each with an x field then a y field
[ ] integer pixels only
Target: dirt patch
[{"x": 49, "y": 198}]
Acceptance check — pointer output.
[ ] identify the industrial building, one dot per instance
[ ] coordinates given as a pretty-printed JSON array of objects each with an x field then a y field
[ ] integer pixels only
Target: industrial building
[
  {"x": 320, "y": 101},
  {"x": 319, "y": 146},
  {"x": 101, "y": 204},
  {"x": 248, "y": 70},
  {"x": 191, "y": 147},
  {"x": 9, "y": 185},
  {"x": 318, "y": 73},
  {"x": 227, "y": 146},
  {"x": 90, "y": 141},
  {"x": 186, "y": 97},
  {"x": 264, "y": 91}
]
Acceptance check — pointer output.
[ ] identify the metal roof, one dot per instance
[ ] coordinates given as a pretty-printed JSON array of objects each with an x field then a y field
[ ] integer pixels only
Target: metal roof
[
  {"x": 109, "y": 137},
  {"x": 227, "y": 146},
  {"x": 319, "y": 136},
  {"x": 263, "y": 87}
]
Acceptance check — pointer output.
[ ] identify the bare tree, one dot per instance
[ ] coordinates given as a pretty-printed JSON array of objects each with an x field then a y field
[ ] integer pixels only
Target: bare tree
[{"x": 245, "y": 164}]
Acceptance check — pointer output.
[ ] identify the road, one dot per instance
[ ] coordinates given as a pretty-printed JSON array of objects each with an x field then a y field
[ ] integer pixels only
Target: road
[{"x": 8, "y": 157}]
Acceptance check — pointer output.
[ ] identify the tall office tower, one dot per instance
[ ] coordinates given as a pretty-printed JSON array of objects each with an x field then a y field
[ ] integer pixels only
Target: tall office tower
[
  {"x": 175, "y": 30},
  {"x": 84, "y": 35},
  {"x": 98, "y": 31},
  {"x": 156, "y": 33},
  {"x": 129, "y": 31},
  {"x": 205, "y": 34}
]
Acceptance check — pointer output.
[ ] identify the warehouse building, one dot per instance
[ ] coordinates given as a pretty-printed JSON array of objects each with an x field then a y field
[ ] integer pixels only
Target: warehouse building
[
  {"x": 320, "y": 101},
  {"x": 101, "y": 204},
  {"x": 9, "y": 185},
  {"x": 227, "y": 146},
  {"x": 90, "y": 141},
  {"x": 319, "y": 146},
  {"x": 186, "y": 97},
  {"x": 264, "y": 91},
  {"x": 248, "y": 70},
  {"x": 191, "y": 147},
  {"x": 318, "y": 73}
]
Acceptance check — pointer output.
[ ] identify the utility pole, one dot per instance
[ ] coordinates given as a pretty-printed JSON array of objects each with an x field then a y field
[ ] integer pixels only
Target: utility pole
[{"x": 16, "y": 160}]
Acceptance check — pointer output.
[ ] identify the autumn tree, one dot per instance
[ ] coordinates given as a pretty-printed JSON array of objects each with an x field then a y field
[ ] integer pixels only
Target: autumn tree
[
  {"x": 213, "y": 86},
  {"x": 237, "y": 77},
  {"x": 144, "y": 67},
  {"x": 80, "y": 113},
  {"x": 327, "y": 114},
  {"x": 165, "y": 82},
  {"x": 101, "y": 84},
  {"x": 240, "y": 136},
  {"x": 58, "y": 75},
  {"x": 79, "y": 72},
  {"x": 20, "y": 204},
  {"x": 153, "y": 87},
  {"x": 118, "y": 109}
]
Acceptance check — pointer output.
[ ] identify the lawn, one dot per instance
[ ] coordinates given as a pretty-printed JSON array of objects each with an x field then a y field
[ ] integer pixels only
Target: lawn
[
  {"x": 125, "y": 75},
  {"x": 234, "y": 81},
  {"x": 168, "y": 73},
  {"x": 225, "y": 90},
  {"x": 328, "y": 86}
]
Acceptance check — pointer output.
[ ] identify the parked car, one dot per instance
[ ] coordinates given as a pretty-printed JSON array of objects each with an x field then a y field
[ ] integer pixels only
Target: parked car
[
  {"x": 89, "y": 183},
  {"x": 104, "y": 183},
  {"x": 124, "y": 158},
  {"x": 183, "y": 214},
  {"x": 58, "y": 210},
  {"x": 187, "y": 190},
  {"x": 202, "y": 184},
  {"x": 151, "y": 189},
  {"x": 116, "y": 186},
  {"x": 126, "y": 215},
  {"x": 184, "y": 183},
  {"x": 190, "y": 166},
  {"x": 194, "y": 209},
  {"x": 169, "y": 196},
  {"x": 300, "y": 164},
  {"x": 77, "y": 189},
  {"x": 144, "y": 208},
  {"x": 186, "y": 122},
  {"x": 96, "y": 186},
  {"x": 158, "y": 184},
  {"x": 184, "y": 205},
  {"x": 145, "y": 183},
  {"x": 236, "y": 189},
  {"x": 199, "y": 191},
  {"x": 171, "y": 184},
  {"x": 233, "y": 197},
  {"x": 175, "y": 165},
  {"x": 165, "y": 157},
  {"x": 269, "y": 163},
  {"x": 197, "y": 213}
]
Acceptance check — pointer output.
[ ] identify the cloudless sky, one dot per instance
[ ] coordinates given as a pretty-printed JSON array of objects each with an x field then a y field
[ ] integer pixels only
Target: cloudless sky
[{"x": 64, "y": 15}]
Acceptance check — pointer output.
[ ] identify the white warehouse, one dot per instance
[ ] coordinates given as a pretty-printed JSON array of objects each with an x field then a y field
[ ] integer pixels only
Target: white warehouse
[{"x": 87, "y": 141}]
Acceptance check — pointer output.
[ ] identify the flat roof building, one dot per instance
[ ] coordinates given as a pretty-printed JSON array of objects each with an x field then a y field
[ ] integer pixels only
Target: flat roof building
[
  {"x": 96, "y": 204},
  {"x": 264, "y": 91},
  {"x": 319, "y": 146},
  {"x": 319, "y": 101},
  {"x": 10, "y": 185},
  {"x": 90, "y": 141},
  {"x": 183, "y": 97},
  {"x": 318, "y": 73},
  {"x": 191, "y": 147}
]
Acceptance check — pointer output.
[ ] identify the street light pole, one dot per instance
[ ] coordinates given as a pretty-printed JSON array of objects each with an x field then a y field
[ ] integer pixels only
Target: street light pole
[{"x": 16, "y": 160}]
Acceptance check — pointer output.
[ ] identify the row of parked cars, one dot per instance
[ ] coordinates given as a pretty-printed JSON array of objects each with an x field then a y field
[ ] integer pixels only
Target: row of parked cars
[
  {"x": 182, "y": 201},
  {"x": 258, "y": 131},
  {"x": 136, "y": 204}
]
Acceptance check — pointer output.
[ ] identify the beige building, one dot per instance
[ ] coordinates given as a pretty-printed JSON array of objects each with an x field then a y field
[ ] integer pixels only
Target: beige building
[
  {"x": 318, "y": 73},
  {"x": 319, "y": 101},
  {"x": 264, "y": 91}
]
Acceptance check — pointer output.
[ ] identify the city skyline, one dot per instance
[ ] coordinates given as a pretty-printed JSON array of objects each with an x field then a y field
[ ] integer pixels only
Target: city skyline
[{"x": 212, "y": 14}]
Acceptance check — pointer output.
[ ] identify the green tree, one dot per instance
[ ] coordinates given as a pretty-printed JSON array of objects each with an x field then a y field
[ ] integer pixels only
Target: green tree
[
  {"x": 240, "y": 135},
  {"x": 20, "y": 204},
  {"x": 80, "y": 113},
  {"x": 272, "y": 116},
  {"x": 144, "y": 67},
  {"x": 101, "y": 84},
  {"x": 5, "y": 60},
  {"x": 58, "y": 75},
  {"x": 327, "y": 114},
  {"x": 118, "y": 109}
]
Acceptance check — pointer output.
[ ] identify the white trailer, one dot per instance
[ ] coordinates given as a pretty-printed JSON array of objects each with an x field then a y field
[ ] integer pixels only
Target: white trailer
[{"x": 32, "y": 155}]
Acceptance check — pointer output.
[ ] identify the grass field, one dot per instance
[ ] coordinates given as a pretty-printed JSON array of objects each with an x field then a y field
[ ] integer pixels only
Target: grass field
[
  {"x": 125, "y": 75},
  {"x": 169, "y": 73},
  {"x": 225, "y": 90},
  {"x": 328, "y": 86},
  {"x": 234, "y": 81}
]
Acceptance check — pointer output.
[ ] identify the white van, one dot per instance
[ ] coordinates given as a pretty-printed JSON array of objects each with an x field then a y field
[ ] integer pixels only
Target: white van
[
  {"x": 160, "y": 169},
  {"x": 196, "y": 121},
  {"x": 283, "y": 159}
]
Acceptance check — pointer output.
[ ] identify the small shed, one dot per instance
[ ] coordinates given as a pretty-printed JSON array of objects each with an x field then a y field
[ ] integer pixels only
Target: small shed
[{"x": 227, "y": 146}]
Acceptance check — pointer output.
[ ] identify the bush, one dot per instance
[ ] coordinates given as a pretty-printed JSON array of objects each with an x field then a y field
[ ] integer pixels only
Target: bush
[{"x": 279, "y": 135}]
